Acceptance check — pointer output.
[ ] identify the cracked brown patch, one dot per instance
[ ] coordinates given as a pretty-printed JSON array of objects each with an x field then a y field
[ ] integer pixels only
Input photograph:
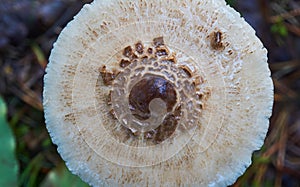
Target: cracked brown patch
[
  {"x": 112, "y": 114},
  {"x": 124, "y": 63},
  {"x": 162, "y": 52},
  {"x": 139, "y": 47},
  {"x": 159, "y": 41},
  {"x": 150, "y": 50},
  {"x": 216, "y": 40},
  {"x": 150, "y": 87},
  {"x": 107, "y": 77},
  {"x": 186, "y": 70},
  {"x": 128, "y": 51}
]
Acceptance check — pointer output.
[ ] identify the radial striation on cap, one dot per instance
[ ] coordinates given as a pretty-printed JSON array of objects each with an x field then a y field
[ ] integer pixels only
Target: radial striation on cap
[{"x": 158, "y": 93}]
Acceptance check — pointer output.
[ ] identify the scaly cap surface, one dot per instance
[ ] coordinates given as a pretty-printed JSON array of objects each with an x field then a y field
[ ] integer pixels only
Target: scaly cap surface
[{"x": 207, "y": 56}]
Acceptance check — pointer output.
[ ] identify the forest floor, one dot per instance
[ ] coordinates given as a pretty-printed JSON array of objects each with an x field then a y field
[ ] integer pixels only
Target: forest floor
[{"x": 29, "y": 28}]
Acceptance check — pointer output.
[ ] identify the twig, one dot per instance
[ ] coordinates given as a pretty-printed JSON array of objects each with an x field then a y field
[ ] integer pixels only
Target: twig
[{"x": 285, "y": 15}]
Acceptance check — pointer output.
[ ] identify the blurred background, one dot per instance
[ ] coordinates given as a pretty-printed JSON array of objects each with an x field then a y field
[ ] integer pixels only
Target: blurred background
[{"x": 28, "y": 29}]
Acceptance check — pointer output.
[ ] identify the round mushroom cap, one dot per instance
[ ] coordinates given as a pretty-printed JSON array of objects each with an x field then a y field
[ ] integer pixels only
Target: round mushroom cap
[{"x": 158, "y": 93}]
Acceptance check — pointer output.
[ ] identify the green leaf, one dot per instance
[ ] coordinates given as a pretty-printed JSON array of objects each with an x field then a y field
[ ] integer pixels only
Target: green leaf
[
  {"x": 231, "y": 2},
  {"x": 9, "y": 165},
  {"x": 30, "y": 173},
  {"x": 279, "y": 28},
  {"x": 263, "y": 160},
  {"x": 61, "y": 177}
]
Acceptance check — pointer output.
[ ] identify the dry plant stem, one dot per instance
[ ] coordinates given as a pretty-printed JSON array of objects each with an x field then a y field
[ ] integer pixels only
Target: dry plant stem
[
  {"x": 294, "y": 77},
  {"x": 292, "y": 28},
  {"x": 275, "y": 144},
  {"x": 293, "y": 132},
  {"x": 28, "y": 96},
  {"x": 283, "y": 88},
  {"x": 279, "y": 66},
  {"x": 282, "y": 122},
  {"x": 278, "y": 97},
  {"x": 282, "y": 126},
  {"x": 277, "y": 8},
  {"x": 293, "y": 25},
  {"x": 259, "y": 174},
  {"x": 286, "y": 15},
  {"x": 282, "y": 69},
  {"x": 270, "y": 151},
  {"x": 40, "y": 57},
  {"x": 278, "y": 179}
]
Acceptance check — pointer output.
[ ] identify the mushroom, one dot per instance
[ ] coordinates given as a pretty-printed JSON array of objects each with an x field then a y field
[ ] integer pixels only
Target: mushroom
[{"x": 158, "y": 93}]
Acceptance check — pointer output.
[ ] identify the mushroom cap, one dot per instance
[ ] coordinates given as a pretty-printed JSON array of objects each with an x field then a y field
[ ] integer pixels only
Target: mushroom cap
[{"x": 215, "y": 135}]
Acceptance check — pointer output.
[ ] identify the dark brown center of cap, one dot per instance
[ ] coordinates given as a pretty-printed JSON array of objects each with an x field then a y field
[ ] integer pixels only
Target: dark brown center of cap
[{"x": 148, "y": 89}]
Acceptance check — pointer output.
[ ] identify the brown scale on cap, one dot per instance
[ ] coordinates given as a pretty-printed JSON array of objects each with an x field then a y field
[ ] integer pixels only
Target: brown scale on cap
[
  {"x": 200, "y": 96},
  {"x": 216, "y": 40},
  {"x": 133, "y": 57},
  {"x": 130, "y": 55},
  {"x": 172, "y": 58},
  {"x": 107, "y": 77},
  {"x": 201, "y": 106},
  {"x": 112, "y": 114},
  {"x": 124, "y": 63},
  {"x": 198, "y": 80},
  {"x": 128, "y": 52},
  {"x": 109, "y": 98},
  {"x": 159, "y": 41},
  {"x": 139, "y": 47},
  {"x": 162, "y": 51},
  {"x": 186, "y": 70},
  {"x": 150, "y": 50}
]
